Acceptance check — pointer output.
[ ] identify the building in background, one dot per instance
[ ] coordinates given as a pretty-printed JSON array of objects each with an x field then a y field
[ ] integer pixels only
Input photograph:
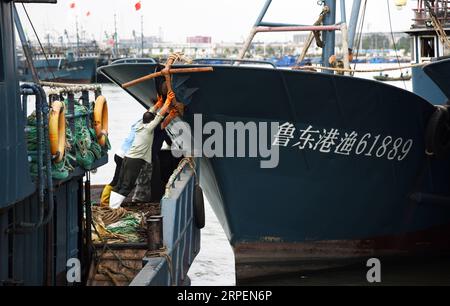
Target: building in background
[{"x": 198, "y": 39}]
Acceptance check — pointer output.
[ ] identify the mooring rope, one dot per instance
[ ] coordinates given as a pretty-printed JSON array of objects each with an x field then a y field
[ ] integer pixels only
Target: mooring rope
[
  {"x": 314, "y": 34},
  {"x": 437, "y": 24},
  {"x": 393, "y": 41},
  {"x": 163, "y": 252},
  {"x": 59, "y": 88},
  {"x": 309, "y": 68},
  {"x": 185, "y": 161}
]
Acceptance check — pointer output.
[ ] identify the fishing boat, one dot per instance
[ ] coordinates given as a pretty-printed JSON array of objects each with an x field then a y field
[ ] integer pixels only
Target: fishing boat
[
  {"x": 387, "y": 78},
  {"x": 75, "y": 64},
  {"x": 439, "y": 72},
  {"x": 49, "y": 212},
  {"x": 65, "y": 69},
  {"x": 363, "y": 168}
]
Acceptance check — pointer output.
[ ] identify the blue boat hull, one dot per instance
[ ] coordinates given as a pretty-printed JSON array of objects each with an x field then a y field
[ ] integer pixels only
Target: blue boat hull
[
  {"x": 439, "y": 72},
  {"x": 81, "y": 71},
  {"x": 316, "y": 209}
]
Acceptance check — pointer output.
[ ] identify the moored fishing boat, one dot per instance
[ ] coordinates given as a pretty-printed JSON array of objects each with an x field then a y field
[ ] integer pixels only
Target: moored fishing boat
[
  {"x": 439, "y": 72},
  {"x": 362, "y": 168},
  {"x": 387, "y": 78},
  {"x": 66, "y": 69},
  {"x": 46, "y": 206}
]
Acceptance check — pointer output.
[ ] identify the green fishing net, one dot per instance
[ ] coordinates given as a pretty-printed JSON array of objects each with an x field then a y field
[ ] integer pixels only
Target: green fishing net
[{"x": 82, "y": 147}]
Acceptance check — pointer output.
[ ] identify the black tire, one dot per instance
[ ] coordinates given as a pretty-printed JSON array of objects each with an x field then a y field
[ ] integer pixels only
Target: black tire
[
  {"x": 199, "y": 207},
  {"x": 438, "y": 133}
]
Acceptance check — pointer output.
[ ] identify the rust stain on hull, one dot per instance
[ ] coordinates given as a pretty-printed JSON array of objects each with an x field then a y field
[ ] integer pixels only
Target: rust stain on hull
[{"x": 263, "y": 259}]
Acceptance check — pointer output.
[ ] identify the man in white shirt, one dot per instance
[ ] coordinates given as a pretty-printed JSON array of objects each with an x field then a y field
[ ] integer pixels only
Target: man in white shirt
[
  {"x": 138, "y": 155},
  {"x": 118, "y": 159}
]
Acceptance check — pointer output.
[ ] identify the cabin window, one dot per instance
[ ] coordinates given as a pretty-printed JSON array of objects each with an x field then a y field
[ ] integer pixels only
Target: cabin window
[{"x": 428, "y": 47}]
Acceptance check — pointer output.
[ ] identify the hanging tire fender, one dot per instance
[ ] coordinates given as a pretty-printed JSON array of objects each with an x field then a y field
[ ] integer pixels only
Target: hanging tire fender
[
  {"x": 57, "y": 131},
  {"x": 101, "y": 119},
  {"x": 199, "y": 207},
  {"x": 437, "y": 138}
]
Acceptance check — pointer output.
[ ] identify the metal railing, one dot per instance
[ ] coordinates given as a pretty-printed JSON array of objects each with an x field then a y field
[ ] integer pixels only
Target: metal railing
[
  {"x": 180, "y": 235},
  {"x": 231, "y": 61},
  {"x": 441, "y": 9}
]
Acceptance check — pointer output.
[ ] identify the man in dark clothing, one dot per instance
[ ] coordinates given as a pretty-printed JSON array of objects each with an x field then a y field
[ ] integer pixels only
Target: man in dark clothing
[
  {"x": 139, "y": 154},
  {"x": 142, "y": 193}
]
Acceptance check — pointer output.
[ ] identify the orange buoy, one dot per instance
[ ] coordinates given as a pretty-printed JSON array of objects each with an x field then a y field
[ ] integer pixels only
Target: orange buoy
[
  {"x": 57, "y": 130},
  {"x": 101, "y": 120}
]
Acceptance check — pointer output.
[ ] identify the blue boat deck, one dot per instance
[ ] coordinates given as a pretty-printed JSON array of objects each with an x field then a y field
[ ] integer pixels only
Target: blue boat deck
[{"x": 164, "y": 267}]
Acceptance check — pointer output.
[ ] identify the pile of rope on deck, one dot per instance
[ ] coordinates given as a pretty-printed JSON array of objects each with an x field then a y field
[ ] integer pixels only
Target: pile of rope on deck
[
  {"x": 81, "y": 149},
  {"x": 121, "y": 225}
]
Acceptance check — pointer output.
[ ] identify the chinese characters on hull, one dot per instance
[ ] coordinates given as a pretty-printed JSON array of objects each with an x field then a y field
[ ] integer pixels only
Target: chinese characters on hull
[{"x": 343, "y": 143}]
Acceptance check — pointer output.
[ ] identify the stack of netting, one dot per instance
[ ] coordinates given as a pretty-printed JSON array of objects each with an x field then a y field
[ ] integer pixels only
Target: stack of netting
[
  {"x": 82, "y": 148},
  {"x": 83, "y": 142}
]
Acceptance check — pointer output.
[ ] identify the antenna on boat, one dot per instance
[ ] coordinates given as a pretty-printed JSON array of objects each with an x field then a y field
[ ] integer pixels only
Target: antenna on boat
[
  {"x": 78, "y": 37},
  {"x": 115, "y": 36},
  {"x": 142, "y": 35}
]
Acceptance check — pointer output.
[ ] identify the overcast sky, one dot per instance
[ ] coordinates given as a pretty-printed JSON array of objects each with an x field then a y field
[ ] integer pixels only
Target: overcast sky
[{"x": 224, "y": 20}]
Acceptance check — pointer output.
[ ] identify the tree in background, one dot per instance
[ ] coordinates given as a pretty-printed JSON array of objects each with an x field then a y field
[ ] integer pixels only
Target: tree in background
[
  {"x": 405, "y": 44},
  {"x": 376, "y": 41}
]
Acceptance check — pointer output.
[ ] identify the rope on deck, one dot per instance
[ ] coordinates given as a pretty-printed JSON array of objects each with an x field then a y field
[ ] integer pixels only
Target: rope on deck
[
  {"x": 163, "y": 252},
  {"x": 58, "y": 88}
]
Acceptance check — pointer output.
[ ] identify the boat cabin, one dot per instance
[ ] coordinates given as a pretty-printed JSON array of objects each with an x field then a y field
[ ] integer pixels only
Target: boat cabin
[{"x": 428, "y": 44}]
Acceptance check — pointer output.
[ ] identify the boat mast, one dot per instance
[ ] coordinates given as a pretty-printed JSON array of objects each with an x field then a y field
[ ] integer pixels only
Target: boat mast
[
  {"x": 115, "y": 37},
  {"x": 25, "y": 45},
  {"x": 253, "y": 31},
  {"x": 78, "y": 37},
  {"x": 329, "y": 36},
  {"x": 328, "y": 30},
  {"x": 142, "y": 35},
  {"x": 353, "y": 23}
]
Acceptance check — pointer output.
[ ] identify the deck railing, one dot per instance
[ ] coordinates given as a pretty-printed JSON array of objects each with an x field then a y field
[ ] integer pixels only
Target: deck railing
[{"x": 180, "y": 234}]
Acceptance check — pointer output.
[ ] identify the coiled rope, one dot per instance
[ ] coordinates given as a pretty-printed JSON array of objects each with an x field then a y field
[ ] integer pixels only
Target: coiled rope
[{"x": 187, "y": 161}]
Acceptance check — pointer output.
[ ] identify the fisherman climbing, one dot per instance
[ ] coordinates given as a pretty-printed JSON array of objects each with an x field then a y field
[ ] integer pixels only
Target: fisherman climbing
[
  {"x": 143, "y": 190},
  {"x": 118, "y": 159},
  {"x": 140, "y": 153}
]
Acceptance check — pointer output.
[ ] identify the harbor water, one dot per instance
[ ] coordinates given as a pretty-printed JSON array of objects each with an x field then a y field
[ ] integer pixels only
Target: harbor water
[{"x": 215, "y": 263}]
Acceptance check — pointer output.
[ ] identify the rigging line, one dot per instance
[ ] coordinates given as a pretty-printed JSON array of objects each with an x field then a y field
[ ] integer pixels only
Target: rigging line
[
  {"x": 361, "y": 27},
  {"x": 437, "y": 24},
  {"x": 39, "y": 41},
  {"x": 393, "y": 42}
]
